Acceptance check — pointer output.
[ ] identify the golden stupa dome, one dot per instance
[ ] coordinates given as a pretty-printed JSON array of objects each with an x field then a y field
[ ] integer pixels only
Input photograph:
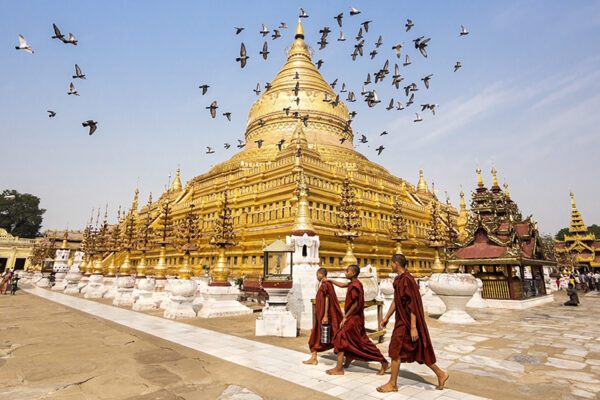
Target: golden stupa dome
[{"x": 267, "y": 119}]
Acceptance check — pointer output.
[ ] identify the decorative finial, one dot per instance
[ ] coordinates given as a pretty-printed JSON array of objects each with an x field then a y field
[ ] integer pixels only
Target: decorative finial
[
  {"x": 479, "y": 180},
  {"x": 463, "y": 206},
  {"x": 299, "y": 31},
  {"x": 176, "y": 186},
  {"x": 495, "y": 181},
  {"x": 506, "y": 190},
  {"x": 422, "y": 185},
  {"x": 573, "y": 201}
]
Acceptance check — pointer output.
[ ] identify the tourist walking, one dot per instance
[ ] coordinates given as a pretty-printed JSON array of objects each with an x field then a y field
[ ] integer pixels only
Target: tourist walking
[
  {"x": 573, "y": 297},
  {"x": 410, "y": 340},
  {"x": 14, "y": 283},
  {"x": 6, "y": 277}
]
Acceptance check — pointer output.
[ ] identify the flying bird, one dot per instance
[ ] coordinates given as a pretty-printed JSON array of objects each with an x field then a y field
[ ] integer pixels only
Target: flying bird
[
  {"x": 241, "y": 144},
  {"x": 264, "y": 31},
  {"x": 391, "y": 105},
  {"x": 339, "y": 18},
  {"x": 383, "y": 133},
  {"x": 432, "y": 108},
  {"x": 411, "y": 100},
  {"x": 51, "y": 114},
  {"x": 351, "y": 97},
  {"x": 406, "y": 61},
  {"x": 213, "y": 108},
  {"x": 296, "y": 89},
  {"x": 360, "y": 35},
  {"x": 398, "y": 49},
  {"x": 209, "y": 150},
  {"x": 261, "y": 122},
  {"x": 204, "y": 88},
  {"x": 378, "y": 43},
  {"x": 421, "y": 44},
  {"x": 373, "y": 54},
  {"x": 363, "y": 139},
  {"x": 409, "y": 24},
  {"x": 457, "y": 66},
  {"x": 259, "y": 142},
  {"x": 322, "y": 43},
  {"x": 302, "y": 13},
  {"x": 400, "y": 106},
  {"x": 23, "y": 45},
  {"x": 305, "y": 120},
  {"x": 366, "y": 25},
  {"x": 57, "y": 34},
  {"x": 243, "y": 57},
  {"x": 342, "y": 140},
  {"x": 297, "y": 75},
  {"x": 91, "y": 124},
  {"x": 354, "y": 11},
  {"x": 71, "y": 40},
  {"x": 227, "y": 146},
  {"x": 283, "y": 25},
  {"x": 341, "y": 38},
  {"x": 379, "y": 150},
  {"x": 426, "y": 80},
  {"x": 280, "y": 144},
  {"x": 257, "y": 90},
  {"x": 463, "y": 31},
  {"x": 353, "y": 114},
  {"x": 265, "y": 51},
  {"x": 78, "y": 73},
  {"x": 287, "y": 110},
  {"x": 228, "y": 115},
  {"x": 72, "y": 90},
  {"x": 319, "y": 63},
  {"x": 268, "y": 86},
  {"x": 238, "y": 30},
  {"x": 332, "y": 84},
  {"x": 276, "y": 34},
  {"x": 418, "y": 119},
  {"x": 368, "y": 79}
]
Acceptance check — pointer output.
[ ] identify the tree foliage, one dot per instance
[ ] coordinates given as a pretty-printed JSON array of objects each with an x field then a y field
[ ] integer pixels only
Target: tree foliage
[
  {"x": 20, "y": 214},
  {"x": 594, "y": 229}
]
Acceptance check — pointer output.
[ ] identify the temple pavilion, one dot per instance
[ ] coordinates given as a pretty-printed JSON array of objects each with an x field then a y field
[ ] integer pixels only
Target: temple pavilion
[
  {"x": 580, "y": 243},
  {"x": 501, "y": 247},
  {"x": 261, "y": 190}
]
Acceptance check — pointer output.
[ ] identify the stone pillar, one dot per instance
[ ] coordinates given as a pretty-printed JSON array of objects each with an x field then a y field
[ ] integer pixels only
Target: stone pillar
[
  {"x": 276, "y": 319},
  {"x": 60, "y": 268},
  {"x": 124, "y": 296},
  {"x": 306, "y": 262},
  {"x": 73, "y": 276}
]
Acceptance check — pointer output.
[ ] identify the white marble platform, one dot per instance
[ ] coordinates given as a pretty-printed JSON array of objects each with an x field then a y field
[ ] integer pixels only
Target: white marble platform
[{"x": 357, "y": 383}]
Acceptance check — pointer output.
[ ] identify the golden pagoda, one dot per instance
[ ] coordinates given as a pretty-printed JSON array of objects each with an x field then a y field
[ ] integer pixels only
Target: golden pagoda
[
  {"x": 261, "y": 184},
  {"x": 580, "y": 244}
]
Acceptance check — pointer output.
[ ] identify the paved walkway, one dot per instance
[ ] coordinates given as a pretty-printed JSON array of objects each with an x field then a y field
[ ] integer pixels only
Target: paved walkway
[{"x": 358, "y": 383}]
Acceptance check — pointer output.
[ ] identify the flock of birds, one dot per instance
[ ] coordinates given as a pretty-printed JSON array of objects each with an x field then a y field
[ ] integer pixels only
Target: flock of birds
[
  {"x": 370, "y": 96},
  {"x": 91, "y": 124}
]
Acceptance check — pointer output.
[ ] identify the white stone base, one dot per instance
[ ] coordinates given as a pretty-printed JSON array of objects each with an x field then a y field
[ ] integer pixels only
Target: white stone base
[
  {"x": 455, "y": 313},
  {"x": 221, "y": 301},
  {"x": 145, "y": 300},
  {"x": 432, "y": 304},
  {"x": 519, "y": 304},
  {"x": 95, "y": 287},
  {"x": 161, "y": 294},
  {"x": 59, "y": 282},
  {"x": 477, "y": 301},
  {"x": 110, "y": 284},
  {"x": 180, "y": 307},
  {"x": 44, "y": 282},
  {"x": 82, "y": 285},
  {"x": 276, "y": 321},
  {"x": 124, "y": 298}
]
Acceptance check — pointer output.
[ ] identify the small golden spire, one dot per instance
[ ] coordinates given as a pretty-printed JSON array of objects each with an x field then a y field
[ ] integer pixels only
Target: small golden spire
[
  {"x": 495, "y": 182},
  {"x": 65, "y": 243},
  {"x": 506, "y": 190},
  {"x": 302, "y": 221},
  {"x": 463, "y": 206},
  {"x": 165, "y": 189},
  {"x": 176, "y": 186},
  {"x": 299, "y": 31},
  {"x": 422, "y": 185},
  {"x": 573, "y": 202},
  {"x": 134, "y": 205},
  {"x": 479, "y": 180}
]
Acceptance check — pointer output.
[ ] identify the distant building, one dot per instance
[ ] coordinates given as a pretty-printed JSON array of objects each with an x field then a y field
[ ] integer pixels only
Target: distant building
[{"x": 14, "y": 251}]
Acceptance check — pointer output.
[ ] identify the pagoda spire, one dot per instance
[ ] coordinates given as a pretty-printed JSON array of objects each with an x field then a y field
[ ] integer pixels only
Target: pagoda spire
[
  {"x": 479, "y": 180},
  {"x": 506, "y": 191},
  {"x": 422, "y": 185},
  {"x": 495, "y": 181},
  {"x": 176, "y": 185},
  {"x": 577, "y": 225},
  {"x": 134, "y": 204},
  {"x": 463, "y": 206},
  {"x": 299, "y": 31}
]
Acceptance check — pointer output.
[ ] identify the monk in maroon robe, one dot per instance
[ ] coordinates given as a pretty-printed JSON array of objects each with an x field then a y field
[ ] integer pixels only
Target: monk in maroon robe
[
  {"x": 410, "y": 339},
  {"x": 327, "y": 312},
  {"x": 351, "y": 340},
  {"x": 6, "y": 278}
]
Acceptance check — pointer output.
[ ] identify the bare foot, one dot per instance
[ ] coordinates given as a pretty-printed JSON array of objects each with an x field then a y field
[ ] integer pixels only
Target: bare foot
[
  {"x": 442, "y": 380},
  {"x": 384, "y": 367},
  {"x": 347, "y": 362},
  {"x": 388, "y": 387},
  {"x": 335, "y": 371},
  {"x": 311, "y": 361}
]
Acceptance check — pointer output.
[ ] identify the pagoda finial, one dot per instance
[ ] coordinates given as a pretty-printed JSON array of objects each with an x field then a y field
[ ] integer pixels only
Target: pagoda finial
[
  {"x": 134, "y": 204},
  {"x": 573, "y": 202},
  {"x": 299, "y": 31},
  {"x": 506, "y": 190},
  {"x": 302, "y": 221},
  {"x": 463, "y": 206},
  {"x": 495, "y": 182},
  {"x": 176, "y": 186},
  {"x": 479, "y": 180},
  {"x": 422, "y": 185}
]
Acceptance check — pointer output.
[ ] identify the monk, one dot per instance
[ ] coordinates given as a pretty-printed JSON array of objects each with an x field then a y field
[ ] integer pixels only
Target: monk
[
  {"x": 351, "y": 339},
  {"x": 327, "y": 311},
  {"x": 410, "y": 339},
  {"x": 5, "y": 281}
]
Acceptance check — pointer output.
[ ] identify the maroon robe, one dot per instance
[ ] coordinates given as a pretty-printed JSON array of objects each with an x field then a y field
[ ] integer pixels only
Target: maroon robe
[
  {"x": 407, "y": 300},
  {"x": 352, "y": 339},
  {"x": 334, "y": 316},
  {"x": 6, "y": 281}
]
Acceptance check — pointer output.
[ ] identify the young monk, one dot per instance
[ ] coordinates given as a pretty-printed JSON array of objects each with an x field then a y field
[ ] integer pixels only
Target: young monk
[
  {"x": 410, "y": 339},
  {"x": 351, "y": 339},
  {"x": 327, "y": 311}
]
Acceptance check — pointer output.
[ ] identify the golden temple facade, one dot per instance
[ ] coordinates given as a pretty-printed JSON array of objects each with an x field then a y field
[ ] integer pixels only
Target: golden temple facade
[{"x": 260, "y": 184}]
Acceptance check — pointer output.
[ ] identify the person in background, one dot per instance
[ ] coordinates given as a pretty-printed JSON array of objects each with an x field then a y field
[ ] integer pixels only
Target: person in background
[{"x": 573, "y": 297}]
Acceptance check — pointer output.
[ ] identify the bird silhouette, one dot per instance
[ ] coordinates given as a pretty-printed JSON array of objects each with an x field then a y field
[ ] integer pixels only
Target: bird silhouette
[
  {"x": 302, "y": 13},
  {"x": 409, "y": 24},
  {"x": 338, "y": 18},
  {"x": 23, "y": 45},
  {"x": 243, "y": 57},
  {"x": 78, "y": 73},
  {"x": 51, "y": 114},
  {"x": 257, "y": 90},
  {"x": 71, "y": 40},
  {"x": 354, "y": 11},
  {"x": 379, "y": 150},
  {"x": 366, "y": 25},
  {"x": 426, "y": 80},
  {"x": 280, "y": 144},
  {"x": 227, "y": 146},
  {"x": 264, "y": 30},
  {"x": 72, "y": 90},
  {"x": 213, "y": 108},
  {"x": 57, "y": 34},
  {"x": 204, "y": 88},
  {"x": 463, "y": 31},
  {"x": 227, "y": 115},
  {"x": 209, "y": 150},
  {"x": 259, "y": 142},
  {"x": 265, "y": 51},
  {"x": 238, "y": 30},
  {"x": 91, "y": 124},
  {"x": 457, "y": 66}
]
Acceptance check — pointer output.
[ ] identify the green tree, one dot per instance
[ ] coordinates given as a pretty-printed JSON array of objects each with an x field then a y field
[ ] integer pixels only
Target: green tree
[
  {"x": 20, "y": 214},
  {"x": 594, "y": 229},
  {"x": 560, "y": 235}
]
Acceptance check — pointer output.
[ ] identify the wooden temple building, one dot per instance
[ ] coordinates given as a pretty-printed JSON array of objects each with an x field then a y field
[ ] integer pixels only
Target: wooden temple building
[
  {"x": 501, "y": 247},
  {"x": 580, "y": 244}
]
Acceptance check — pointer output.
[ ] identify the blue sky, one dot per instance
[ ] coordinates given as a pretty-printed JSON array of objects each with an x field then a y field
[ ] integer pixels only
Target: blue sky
[{"x": 526, "y": 99}]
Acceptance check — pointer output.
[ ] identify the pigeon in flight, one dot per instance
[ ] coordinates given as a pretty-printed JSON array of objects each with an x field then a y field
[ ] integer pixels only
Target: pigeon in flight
[
  {"x": 373, "y": 54},
  {"x": 391, "y": 105},
  {"x": 343, "y": 89},
  {"x": 302, "y": 13},
  {"x": 227, "y": 146},
  {"x": 379, "y": 150},
  {"x": 354, "y": 11},
  {"x": 243, "y": 57},
  {"x": 406, "y": 61},
  {"x": 297, "y": 75},
  {"x": 339, "y": 18},
  {"x": 360, "y": 35},
  {"x": 241, "y": 144},
  {"x": 305, "y": 120},
  {"x": 353, "y": 113},
  {"x": 51, "y": 114},
  {"x": 283, "y": 25},
  {"x": 341, "y": 38},
  {"x": 322, "y": 43},
  {"x": 257, "y": 90},
  {"x": 23, "y": 45},
  {"x": 209, "y": 150},
  {"x": 72, "y": 90},
  {"x": 411, "y": 100},
  {"x": 57, "y": 34},
  {"x": 363, "y": 139},
  {"x": 268, "y": 86},
  {"x": 400, "y": 107},
  {"x": 264, "y": 31},
  {"x": 259, "y": 142},
  {"x": 280, "y": 144},
  {"x": 383, "y": 133},
  {"x": 91, "y": 124},
  {"x": 78, "y": 73},
  {"x": 71, "y": 40},
  {"x": 261, "y": 122},
  {"x": 332, "y": 84},
  {"x": 204, "y": 88},
  {"x": 398, "y": 49},
  {"x": 378, "y": 43},
  {"x": 409, "y": 24},
  {"x": 238, "y": 30},
  {"x": 463, "y": 31},
  {"x": 276, "y": 34},
  {"x": 368, "y": 79},
  {"x": 432, "y": 108},
  {"x": 228, "y": 115},
  {"x": 418, "y": 119},
  {"x": 457, "y": 66},
  {"x": 319, "y": 63},
  {"x": 366, "y": 25},
  {"x": 287, "y": 110},
  {"x": 351, "y": 97},
  {"x": 426, "y": 80},
  {"x": 421, "y": 44},
  {"x": 326, "y": 99},
  {"x": 296, "y": 89},
  {"x": 213, "y": 108},
  {"x": 342, "y": 140},
  {"x": 265, "y": 51}
]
